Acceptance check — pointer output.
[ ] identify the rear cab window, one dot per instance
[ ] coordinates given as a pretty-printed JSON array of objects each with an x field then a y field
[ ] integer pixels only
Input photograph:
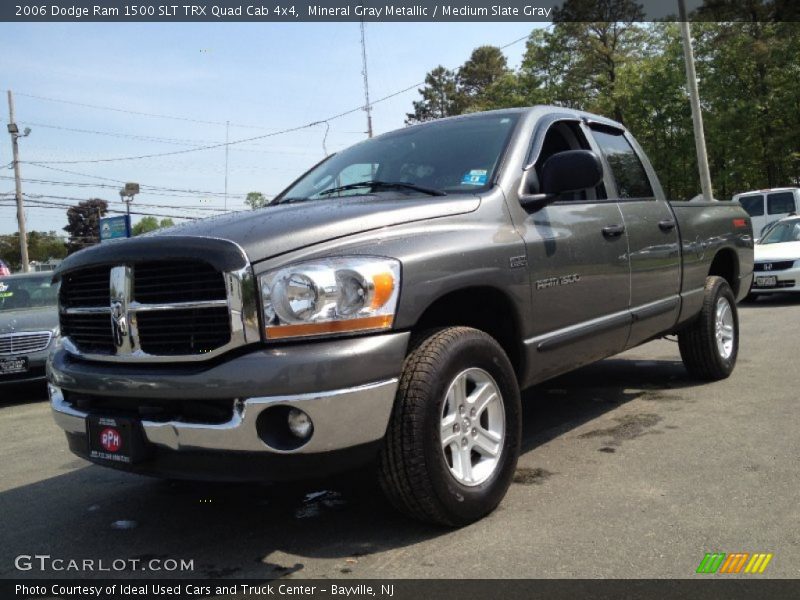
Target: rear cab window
[
  {"x": 780, "y": 203},
  {"x": 626, "y": 166},
  {"x": 753, "y": 204}
]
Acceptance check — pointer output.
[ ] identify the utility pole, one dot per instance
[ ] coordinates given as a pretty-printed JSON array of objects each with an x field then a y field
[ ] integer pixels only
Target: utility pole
[
  {"x": 13, "y": 131},
  {"x": 367, "y": 105},
  {"x": 227, "y": 132},
  {"x": 694, "y": 99}
]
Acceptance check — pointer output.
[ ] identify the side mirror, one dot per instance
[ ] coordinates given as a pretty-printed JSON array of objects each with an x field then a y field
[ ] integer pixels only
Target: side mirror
[{"x": 568, "y": 171}]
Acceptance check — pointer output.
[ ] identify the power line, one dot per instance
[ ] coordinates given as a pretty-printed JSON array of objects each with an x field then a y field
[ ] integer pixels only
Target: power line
[
  {"x": 81, "y": 184},
  {"x": 36, "y": 202},
  {"x": 137, "y": 112},
  {"x": 161, "y": 140},
  {"x": 242, "y": 140},
  {"x": 120, "y": 134},
  {"x": 151, "y": 187},
  {"x": 211, "y": 122},
  {"x": 62, "y": 207},
  {"x": 187, "y": 150},
  {"x": 221, "y": 144},
  {"x": 108, "y": 202}
]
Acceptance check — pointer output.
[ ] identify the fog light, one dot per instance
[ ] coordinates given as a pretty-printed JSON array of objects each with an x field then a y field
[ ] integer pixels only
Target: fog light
[{"x": 299, "y": 423}]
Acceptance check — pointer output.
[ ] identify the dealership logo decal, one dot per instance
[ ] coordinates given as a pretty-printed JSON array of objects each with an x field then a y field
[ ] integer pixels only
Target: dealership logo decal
[
  {"x": 110, "y": 439},
  {"x": 737, "y": 562}
]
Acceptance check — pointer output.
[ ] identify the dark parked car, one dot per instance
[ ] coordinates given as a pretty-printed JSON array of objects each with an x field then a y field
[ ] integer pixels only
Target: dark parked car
[
  {"x": 28, "y": 325},
  {"x": 390, "y": 305}
]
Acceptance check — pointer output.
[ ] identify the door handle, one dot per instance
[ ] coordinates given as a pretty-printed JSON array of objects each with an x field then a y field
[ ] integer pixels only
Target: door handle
[
  {"x": 666, "y": 225},
  {"x": 612, "y": 231}
]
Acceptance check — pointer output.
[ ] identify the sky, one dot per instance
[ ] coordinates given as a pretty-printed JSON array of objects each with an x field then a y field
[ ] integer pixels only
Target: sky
[{"x": 262, "y": 78}]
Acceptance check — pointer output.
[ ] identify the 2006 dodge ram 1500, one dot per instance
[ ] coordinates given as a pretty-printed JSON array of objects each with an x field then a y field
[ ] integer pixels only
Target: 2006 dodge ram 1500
[{"x": 389, "y": 306}]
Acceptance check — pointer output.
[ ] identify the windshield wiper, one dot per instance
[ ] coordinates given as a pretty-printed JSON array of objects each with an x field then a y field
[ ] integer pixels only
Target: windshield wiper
[{"x": 374, "y": 184}]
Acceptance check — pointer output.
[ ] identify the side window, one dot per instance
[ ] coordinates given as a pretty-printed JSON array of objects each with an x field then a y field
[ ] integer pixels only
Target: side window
[
  {"x": 560, "y": 137},
  {"x": 753, "y": 205},
  {"x": 780, "y": 203},
  {"x": 627, "y": 169}
]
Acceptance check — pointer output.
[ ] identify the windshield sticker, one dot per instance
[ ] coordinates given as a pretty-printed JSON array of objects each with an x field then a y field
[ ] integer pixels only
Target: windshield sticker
[
  {"x": 475, "y": 177},
  {"x": 3, "y": 287},
  {"x": 6, "y": 294}
]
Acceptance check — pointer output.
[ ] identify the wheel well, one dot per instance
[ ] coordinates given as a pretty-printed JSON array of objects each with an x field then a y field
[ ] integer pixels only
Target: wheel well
[
  {"x": 726, "y": 265},
  {"x": 484, "y": 308}
]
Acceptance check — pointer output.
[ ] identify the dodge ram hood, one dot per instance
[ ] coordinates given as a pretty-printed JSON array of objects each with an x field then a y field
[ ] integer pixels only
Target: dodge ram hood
[
  {"x": 279, "y": 229},
  {"x": 779, "y": 251}
]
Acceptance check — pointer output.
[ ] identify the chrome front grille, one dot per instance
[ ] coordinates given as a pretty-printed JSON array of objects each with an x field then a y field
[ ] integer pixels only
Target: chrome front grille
[
  {"x": 155, "y": 311},
  {"x": 88, "y": 287},
  {"x": 193, "y": 331},
  {"x": 177, "y": 281},
  {"x": 24, "y": 342}
]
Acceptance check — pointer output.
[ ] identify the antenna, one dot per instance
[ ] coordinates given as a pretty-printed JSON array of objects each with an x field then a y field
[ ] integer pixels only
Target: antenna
[{"x": 367, "y": 105}]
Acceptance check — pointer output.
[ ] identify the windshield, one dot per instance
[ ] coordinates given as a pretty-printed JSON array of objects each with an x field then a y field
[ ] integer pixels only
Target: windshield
[
  {"x": 18, "y": 293},
  {"x": 449, "y": 156},
  {"x": 782, "y": 232}
]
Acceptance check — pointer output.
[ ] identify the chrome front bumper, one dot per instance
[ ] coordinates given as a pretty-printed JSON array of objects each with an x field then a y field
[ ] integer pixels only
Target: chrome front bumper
[{"x": 342, "y": 419}]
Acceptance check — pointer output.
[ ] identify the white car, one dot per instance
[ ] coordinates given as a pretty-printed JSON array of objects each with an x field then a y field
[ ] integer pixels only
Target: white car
[{"x": 777, "y": 258}]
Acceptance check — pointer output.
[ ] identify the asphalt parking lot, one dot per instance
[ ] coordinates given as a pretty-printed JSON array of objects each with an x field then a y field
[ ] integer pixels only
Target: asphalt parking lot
[{"x": 629, "y": 469}]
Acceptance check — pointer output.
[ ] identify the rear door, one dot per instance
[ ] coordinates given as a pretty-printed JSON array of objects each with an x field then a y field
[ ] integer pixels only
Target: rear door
[{"x": 652, "y": 234}]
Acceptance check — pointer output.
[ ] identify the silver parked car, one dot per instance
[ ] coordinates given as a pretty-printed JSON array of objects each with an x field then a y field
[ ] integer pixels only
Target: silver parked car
[{"x": 28, "y": 325}]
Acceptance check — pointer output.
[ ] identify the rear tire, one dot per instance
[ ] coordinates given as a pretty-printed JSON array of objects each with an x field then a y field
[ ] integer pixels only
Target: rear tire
[
  {"x": 710, "y": 344},
  {"x": 453, "y": 439}
]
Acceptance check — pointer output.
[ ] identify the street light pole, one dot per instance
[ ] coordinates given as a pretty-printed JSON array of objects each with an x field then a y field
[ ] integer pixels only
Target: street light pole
[
  {"x": 694, "y": 99},
  {"x": 13, "y": 131}
]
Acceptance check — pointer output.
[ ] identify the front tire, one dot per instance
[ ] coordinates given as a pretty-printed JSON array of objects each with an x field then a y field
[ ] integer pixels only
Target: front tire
[
  {"x": 710, "y": 344},
  {"x": 453, "y": 439}
]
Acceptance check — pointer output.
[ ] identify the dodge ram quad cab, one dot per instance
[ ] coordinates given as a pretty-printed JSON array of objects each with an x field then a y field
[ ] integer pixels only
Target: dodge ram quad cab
[{"x": 388, "y": 307}]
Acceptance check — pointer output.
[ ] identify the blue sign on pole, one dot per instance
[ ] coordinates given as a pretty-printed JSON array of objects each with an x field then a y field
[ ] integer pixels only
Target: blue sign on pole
[{"x": 115, "y": 227}]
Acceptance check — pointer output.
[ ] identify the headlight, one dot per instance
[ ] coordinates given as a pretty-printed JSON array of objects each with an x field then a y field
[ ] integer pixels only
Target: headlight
[{"x": 332, "y": 295}]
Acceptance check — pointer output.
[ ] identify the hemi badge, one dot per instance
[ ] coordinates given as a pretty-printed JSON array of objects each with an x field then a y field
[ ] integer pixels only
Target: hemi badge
[{"x": 739, "y": 223}]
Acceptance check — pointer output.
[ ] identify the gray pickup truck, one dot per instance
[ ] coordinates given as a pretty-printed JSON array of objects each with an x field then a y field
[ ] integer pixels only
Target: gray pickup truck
[{"x": 388, "y": 307}]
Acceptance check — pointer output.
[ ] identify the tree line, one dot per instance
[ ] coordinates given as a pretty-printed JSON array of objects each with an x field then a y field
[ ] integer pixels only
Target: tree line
[
  {"x": 82, "y": 229},
  {"x": 633, "y": 72}
]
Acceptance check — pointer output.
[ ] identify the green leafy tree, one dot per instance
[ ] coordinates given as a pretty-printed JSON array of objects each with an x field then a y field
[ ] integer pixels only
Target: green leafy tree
[
  {"x": 42, "y": 247},
  {"x": 440, "y": 97},
  {"x": 485, "y": 67},
  {"x": 83, "y": 223},
  {"x": 256, "y": 200},
  {"x": 147, "y": 224},
  {"x": 579, "y": 62},
  {"x": 652, "y": 93}
]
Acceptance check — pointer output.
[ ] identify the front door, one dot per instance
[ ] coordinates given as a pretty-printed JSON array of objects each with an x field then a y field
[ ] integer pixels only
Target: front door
[{"x": 580, "y": 277}]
